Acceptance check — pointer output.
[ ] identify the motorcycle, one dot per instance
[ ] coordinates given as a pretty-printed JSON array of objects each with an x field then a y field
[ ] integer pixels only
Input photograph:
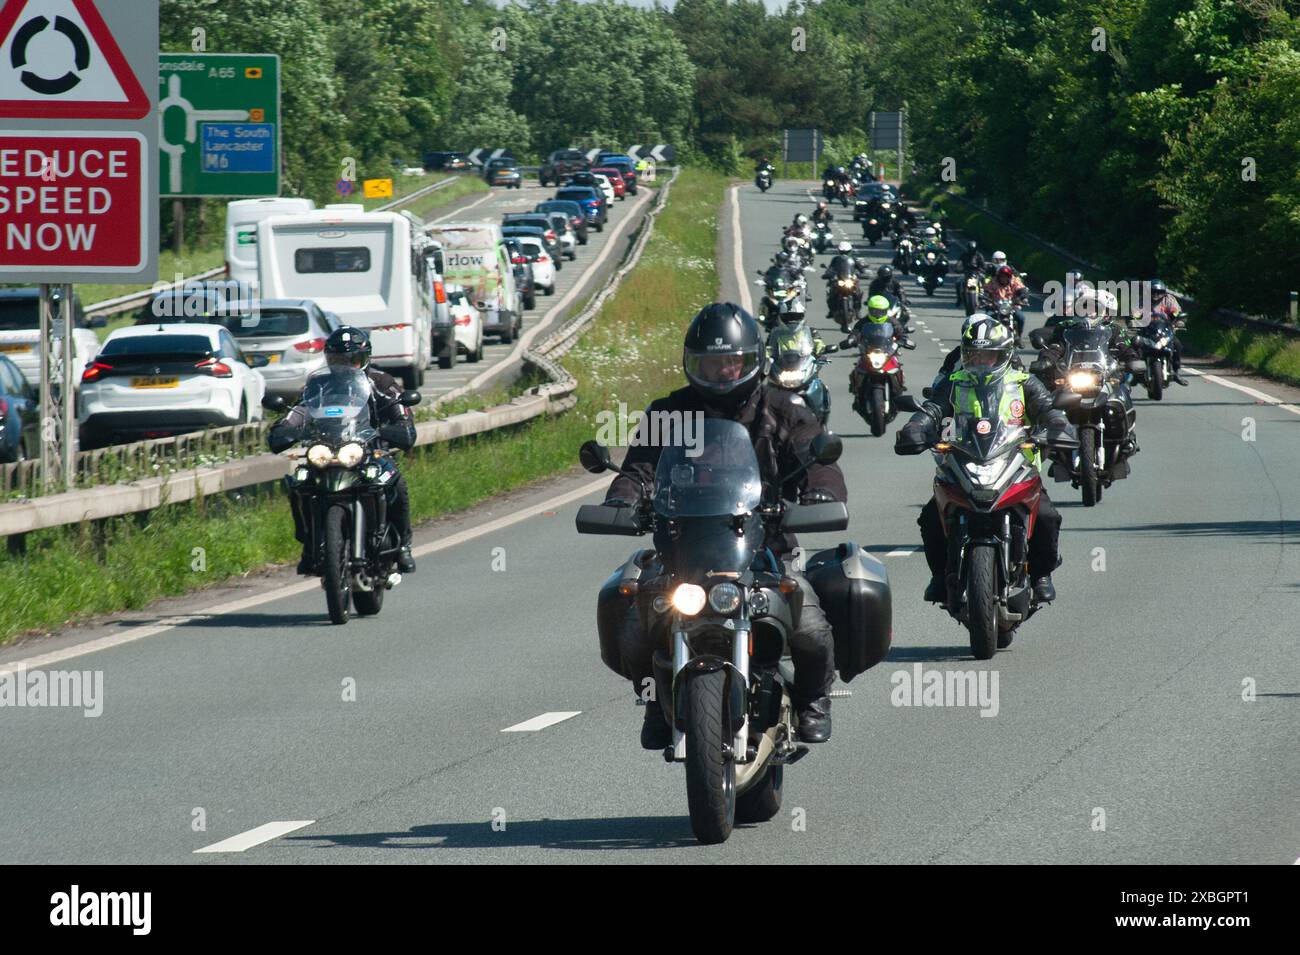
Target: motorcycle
[
  {"x": 1156, "y": 343},
  {"x": 782, "y": 297},
  {"x": 828, "y": 189},
  {"x": 843, "y": 293},
  {"x": 763, "y": 179},
  {"x": 844, "y": 192},
  {"x": 872, "y": 230},
  {"x": 722, "y": 610},
  {"x": 987, "y": 488},
  {"x": 904, "y": 253},
  {"x": 794, "y": 366},
  {"x": 1004, "y": 310},
  {"x": 1104, "y": 414},
  {"x": 930, "y": 266},
  {"x": 340, "y": 489},
  {"x": 877, "y": 380},
  {"x": 822, "y": 239},
  {"x": 968, "y": 292}
]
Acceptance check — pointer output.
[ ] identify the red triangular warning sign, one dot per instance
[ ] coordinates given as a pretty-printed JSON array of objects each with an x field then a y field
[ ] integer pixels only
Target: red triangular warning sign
[{"x": 58, "y": 60}]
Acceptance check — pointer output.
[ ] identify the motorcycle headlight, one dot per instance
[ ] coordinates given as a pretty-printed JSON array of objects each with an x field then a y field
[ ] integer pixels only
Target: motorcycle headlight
[
  {"x": 1084, "y": 381},
  {"x": 724, "y": 598},
  {"x": 350, "y": 455},
  {"x": 790, "y": 379},
  {"x": 1162, "y": 341},
  {"x": 319, "y": 455},
  {"x": 984, "y": 473},
  {"x": 846, "y": 283},
  {"x": 688, "y": 599},
  {"x": 877, "y": 358},
  {"x": 929, "y": 256}
]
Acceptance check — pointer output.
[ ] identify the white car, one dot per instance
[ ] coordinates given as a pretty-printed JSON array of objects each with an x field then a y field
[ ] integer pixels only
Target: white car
[
  {"x": 20, "y": 333},
  {"x": 606, "y": 187},
  {"x": 158, "y": 380},
  {"x": 468, "y": 326},
  {"x": 543, "y": 266}
]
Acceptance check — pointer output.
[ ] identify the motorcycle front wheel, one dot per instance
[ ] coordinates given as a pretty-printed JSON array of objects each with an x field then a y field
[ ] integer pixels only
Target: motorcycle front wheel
[
  {"x": 1088, "y": 476},
  {"x": 1156, "y": 381},
  {"x": 877, "y": 411},
  {"x": 710, "y": 773},
  {"x": 982, "y": 602},
  {"x": 338, "y": 558}
]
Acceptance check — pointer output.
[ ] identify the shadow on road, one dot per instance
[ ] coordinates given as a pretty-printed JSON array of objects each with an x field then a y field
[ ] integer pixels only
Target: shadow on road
[
  {"x": 1265, "y": 529},
  {"x": 627, "y": 832},
  {"x": 929, "y": 654},
  {"x": 257, "y": 620}
]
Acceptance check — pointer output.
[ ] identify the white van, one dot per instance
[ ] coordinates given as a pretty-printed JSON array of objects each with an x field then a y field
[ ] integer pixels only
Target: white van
[
  {"x": 364, "y": 267},
  {"x": 475, "y": 258},
  {"x": 242, "y": 217}
]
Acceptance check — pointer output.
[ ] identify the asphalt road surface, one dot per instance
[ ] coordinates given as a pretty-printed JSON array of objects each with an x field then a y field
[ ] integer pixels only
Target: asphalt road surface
[{"x": 386, "y": 740}]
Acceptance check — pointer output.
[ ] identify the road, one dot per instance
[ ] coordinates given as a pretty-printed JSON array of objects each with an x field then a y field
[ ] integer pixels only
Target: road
[{"x": 1124, "y": 698}]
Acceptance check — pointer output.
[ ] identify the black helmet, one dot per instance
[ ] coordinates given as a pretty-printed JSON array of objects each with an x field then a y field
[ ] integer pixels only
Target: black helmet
[
  {"x": 723, "y": 354},
  {"x": 348, "y": 347},
  {"x": 972, "y": 248},
  {"x": 1158, "y": 288},
  {"x": 885, "y": 273}
]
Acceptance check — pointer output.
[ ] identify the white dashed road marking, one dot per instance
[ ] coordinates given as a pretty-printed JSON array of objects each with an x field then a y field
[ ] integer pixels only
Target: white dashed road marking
[
  {"x": 255, "y": 837},
  {"x": 541, "y": 722}
]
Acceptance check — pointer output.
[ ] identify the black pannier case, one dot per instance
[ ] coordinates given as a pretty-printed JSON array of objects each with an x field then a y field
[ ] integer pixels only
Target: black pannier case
[{"x": 853, "y": 589}]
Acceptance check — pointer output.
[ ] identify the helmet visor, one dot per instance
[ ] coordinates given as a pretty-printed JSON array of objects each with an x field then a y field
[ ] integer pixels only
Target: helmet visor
[
  {"x": 351, "y": 359},
  {"x": 720, "y": 372},
  {"x": 983, "y": 361}
]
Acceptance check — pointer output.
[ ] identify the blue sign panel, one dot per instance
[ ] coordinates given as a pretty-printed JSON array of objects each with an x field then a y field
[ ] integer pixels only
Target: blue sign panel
[{"x": 238, "y": 147}]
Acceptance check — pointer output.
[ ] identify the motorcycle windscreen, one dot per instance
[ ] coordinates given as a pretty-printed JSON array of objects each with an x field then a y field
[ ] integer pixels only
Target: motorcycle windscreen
[
  {"x": 1085, "y": 343},
  {"x": 841, "y": 268},
  {"x": 984, "y": 435},
  {"x": 876, "y": 337},
  {"x": 337, "y": 403}
]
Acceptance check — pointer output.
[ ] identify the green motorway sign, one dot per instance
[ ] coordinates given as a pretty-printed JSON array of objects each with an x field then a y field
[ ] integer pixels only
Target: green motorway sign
[{"x": 220, "y": 131}]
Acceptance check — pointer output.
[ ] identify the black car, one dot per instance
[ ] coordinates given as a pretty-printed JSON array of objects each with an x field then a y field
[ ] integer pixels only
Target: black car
[
  {"x": 577, "y": 218},
  {"x": 19, "y": 415},
  {"x": 562, "y": 164},
  {"x": 503, "y": 172},
  {"x": 523, "y": 272},
  {"x": 551, "y": 238}
]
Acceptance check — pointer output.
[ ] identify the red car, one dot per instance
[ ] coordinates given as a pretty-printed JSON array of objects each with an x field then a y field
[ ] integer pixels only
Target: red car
[{"x": 615, "y": 178}]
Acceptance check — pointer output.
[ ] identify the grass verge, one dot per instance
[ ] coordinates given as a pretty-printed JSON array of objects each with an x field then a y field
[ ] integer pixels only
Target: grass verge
[{"x": 630, "y": 355}]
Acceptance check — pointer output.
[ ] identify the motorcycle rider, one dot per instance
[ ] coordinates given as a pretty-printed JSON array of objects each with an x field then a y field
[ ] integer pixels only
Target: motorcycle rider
[
  {"x": 823, "y": 213},
  {"x": 844, "y": 252},
  {"x": 972, "y": 260},
  {"x": 953, "y": 358},
  {"x": 886, "y": 283},
  {"x": 723, "y": 357},
  {"x": 986, "y": 353},
  {"x": 1164, "y": 305},
  {"x": 996, "y": 261},
  {"x": 349, "y": 347},
  {"x": 1006, "y": 286}
]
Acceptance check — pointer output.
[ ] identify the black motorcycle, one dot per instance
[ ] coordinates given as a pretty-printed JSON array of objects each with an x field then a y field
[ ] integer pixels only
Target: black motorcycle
[
  {"x": 1082, "y": 364},
  {"x": 722, "y": 609},
  {"x": 843, "y": 293},
  {"x": 968, "y": 291},
  {"x": 340, "y": 489},
  {"x": 930, "y": 266},
  {"x": 873, "y": 230},
  {"x": 823, "y": 239},
  {"x": 763, "y": 179},
  {"x": 1156, "y": 343},
  {"x": 904, "y": 252}
]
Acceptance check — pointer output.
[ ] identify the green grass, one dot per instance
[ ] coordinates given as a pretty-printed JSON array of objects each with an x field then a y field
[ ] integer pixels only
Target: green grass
[
  {"x": 631, "y": 354},
  {"x": 1274, "y": 356},
  {"x": 466, "y": 184}
]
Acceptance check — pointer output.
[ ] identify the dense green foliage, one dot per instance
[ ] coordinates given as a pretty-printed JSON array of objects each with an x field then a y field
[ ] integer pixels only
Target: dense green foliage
[{"x": 1148, "y": 135}]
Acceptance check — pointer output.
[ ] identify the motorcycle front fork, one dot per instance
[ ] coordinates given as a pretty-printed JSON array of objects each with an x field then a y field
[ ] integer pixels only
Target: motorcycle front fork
[{"x": 740, "y": 671}]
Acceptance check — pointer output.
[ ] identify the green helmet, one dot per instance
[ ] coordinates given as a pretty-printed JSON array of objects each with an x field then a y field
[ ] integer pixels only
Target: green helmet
[
  {"x": 986, "y": 348},
  {"x": 878, "y": 309}
]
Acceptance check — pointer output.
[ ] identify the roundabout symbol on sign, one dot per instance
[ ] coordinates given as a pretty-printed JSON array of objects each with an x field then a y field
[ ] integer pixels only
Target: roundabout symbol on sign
[{"x": 39, "y": 84}]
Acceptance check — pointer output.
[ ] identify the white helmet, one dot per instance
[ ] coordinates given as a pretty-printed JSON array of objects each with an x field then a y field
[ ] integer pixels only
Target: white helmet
[
  {"x": 801, "y": 219},
  {"x": 999, "y": 258},
  {"x": 790, "y": 243},
  {"x": 846, "y": 247},
  {"x": 929, "y": 231}
]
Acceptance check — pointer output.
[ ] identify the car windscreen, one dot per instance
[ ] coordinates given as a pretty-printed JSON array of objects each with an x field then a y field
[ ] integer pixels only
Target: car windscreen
[
  {"x": 269, "y": 322},
  {"x": 575, "y": 194},
  {"x": 19, "y": 314},
  {"x": 137, "y": 346}
]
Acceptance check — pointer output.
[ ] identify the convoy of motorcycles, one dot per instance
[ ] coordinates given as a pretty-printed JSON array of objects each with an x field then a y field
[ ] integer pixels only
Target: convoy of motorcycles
[{"x": 720, "y": 599}]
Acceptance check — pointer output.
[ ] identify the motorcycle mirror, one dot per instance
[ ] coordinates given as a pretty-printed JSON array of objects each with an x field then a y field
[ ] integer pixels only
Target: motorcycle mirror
[
  {"x": 274, "y": 403},
  {"x": 826, "y": 448},
  {"x": 1036, "y": 338},
  {"x": 595, "y": 457},
  {"x": 410, "y": 398},
  {"x": 1065, "y": 400},
  {"x": 908, "y": 403},
  {"x": 927, "y": 392}
]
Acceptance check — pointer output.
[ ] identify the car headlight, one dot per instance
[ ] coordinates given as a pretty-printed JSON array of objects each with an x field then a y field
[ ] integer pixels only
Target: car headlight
[
  {"x": 877, "y": 359},
  {"x": 1084, "y": 381},
  {"x": 724, "y": 598},
  {"x": 350, "y": 455},
  {"x": 688, "y": 599},
  {"x": 319, "y": 455}
]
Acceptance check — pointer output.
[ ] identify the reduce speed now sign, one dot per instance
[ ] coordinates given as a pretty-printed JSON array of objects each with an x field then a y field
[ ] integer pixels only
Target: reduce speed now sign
[{"x": 78, "y": 130}]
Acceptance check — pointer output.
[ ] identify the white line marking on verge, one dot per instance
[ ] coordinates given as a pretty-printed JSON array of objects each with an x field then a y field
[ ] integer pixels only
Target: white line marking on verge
[
  {"x": 255, "y": 837},
  {"x": 737, "y": 244},
  {"x": 541, "y": 722},
  {"x": 290, "y": 590},
  {"x": 1257, "y": 395},
  {"x": 903, "y": 552}
]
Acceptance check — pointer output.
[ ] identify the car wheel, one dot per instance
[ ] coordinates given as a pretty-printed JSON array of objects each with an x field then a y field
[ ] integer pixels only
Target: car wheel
[
  {"x": 600, "y": 227},
  {"x": 531, "y": 300},
  {"x": 573, "y": 255},
  {"x": 551, "y": 289},
  {"x": 243, "y": 411},
  {"x": 447, "y": 360},
  {"x": 507, "y": 334}
]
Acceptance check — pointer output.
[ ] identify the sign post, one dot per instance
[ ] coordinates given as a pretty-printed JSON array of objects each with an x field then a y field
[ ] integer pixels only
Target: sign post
[{"x": 78, "y": 192}]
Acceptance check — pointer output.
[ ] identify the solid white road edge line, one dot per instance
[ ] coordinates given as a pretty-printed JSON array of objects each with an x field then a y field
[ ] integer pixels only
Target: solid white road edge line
[
  {"x": 1257, "y": 395},
  {"x": 903, "y": 552},
  {"x": 255, "y": 837},
  {"x": 541, "y": 722},
  {"x": 289, "y": 590}
]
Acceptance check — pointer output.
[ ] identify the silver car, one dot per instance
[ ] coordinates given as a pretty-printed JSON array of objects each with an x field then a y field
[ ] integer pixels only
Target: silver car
[{"x": 291, "y": 333}]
